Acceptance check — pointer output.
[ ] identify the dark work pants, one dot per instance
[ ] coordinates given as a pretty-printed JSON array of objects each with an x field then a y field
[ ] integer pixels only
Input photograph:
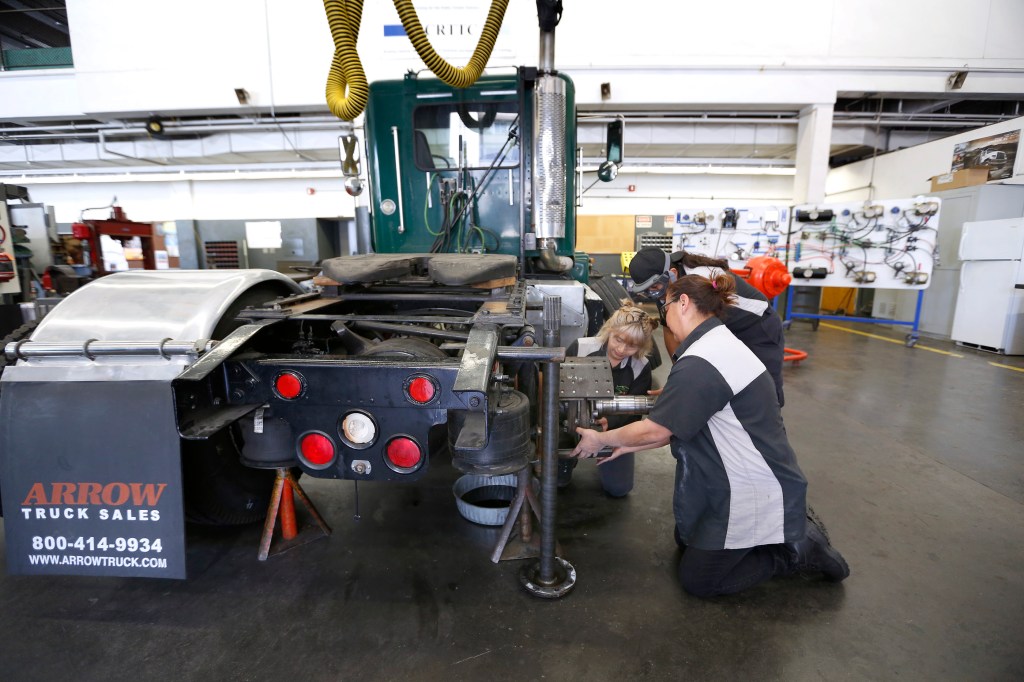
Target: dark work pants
[
  {"x": 707, "y": 573},
  {"x": 617, "y": 475}
]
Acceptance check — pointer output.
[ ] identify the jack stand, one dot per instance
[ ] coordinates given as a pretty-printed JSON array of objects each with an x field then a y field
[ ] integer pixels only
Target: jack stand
[
  {"x": 526, "y": 544},
  {"x": 282, "y": 503},
  {"x": 551, "y": 577},
  {"x": 563, "y": 579}
]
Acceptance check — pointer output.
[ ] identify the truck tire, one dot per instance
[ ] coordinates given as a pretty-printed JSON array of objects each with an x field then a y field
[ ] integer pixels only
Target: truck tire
[
  {"x": 22, "y": 332},
  {"x": 415, "y": 348},
  {"x": 406, "y": 347},
  {"x": 219, "y": 490},
  {"x": 612, "y": 294}
]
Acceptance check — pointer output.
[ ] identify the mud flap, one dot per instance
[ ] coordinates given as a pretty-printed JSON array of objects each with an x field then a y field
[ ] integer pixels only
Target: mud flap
[{"x": 91, "y": 477}]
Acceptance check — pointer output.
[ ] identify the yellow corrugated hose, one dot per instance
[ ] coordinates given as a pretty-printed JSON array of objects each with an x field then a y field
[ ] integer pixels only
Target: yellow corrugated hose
[
  {"x": 347, "y": 90},
  {"x": 453, "y": 75}
]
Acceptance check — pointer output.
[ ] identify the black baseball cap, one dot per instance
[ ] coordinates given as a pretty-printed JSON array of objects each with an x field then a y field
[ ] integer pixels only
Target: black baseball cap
[{"x": 648, "y": 267}]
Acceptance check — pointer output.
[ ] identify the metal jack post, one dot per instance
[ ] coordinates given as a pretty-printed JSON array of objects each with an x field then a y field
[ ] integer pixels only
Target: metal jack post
[{"x": 551, "y": 577}]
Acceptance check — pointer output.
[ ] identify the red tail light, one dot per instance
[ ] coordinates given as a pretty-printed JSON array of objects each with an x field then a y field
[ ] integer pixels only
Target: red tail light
[
  {"x": 317, "y": 450},
  {"x": 289, "y": 385},
  {"x": 403, "y": 454},
  {"x": 421, "y": 389}
]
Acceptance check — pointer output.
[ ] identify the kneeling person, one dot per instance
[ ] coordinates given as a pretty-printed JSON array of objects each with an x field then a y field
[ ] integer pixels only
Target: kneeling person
[
  {"x": 740, "y": 497},
  {"x": 625, "y": 340}
]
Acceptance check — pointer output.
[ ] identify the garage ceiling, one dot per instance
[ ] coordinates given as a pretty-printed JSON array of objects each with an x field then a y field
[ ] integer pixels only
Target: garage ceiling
[{"x": 864, "y": 124}]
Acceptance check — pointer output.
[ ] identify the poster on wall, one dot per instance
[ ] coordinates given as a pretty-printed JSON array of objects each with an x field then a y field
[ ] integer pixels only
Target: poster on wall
[
  {"x": 998, "y": 153},
  {"x": 453, "y": 28}
]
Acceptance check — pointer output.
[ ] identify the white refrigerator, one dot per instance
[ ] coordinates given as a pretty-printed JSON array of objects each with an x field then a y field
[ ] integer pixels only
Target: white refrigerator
[{"x": 989, "y": 308}]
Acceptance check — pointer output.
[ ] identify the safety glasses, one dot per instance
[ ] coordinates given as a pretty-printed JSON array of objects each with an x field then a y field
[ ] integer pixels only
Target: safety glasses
[{"x": 652, "y": 288}]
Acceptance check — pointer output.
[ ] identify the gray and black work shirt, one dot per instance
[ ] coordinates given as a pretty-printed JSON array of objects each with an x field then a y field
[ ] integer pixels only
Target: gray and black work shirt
[
  {"x": 752, "y": 319},
  {"x": 740, "y": 485}
]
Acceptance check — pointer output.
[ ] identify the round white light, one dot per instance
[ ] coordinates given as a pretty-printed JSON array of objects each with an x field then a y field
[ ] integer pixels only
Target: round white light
[{"x": 358, "y": 428}]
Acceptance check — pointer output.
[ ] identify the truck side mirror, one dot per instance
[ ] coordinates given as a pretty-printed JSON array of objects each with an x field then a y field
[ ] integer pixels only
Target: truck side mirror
[
  {"x": 609, "y": 168},
  {"x": 613, "y": 144}
]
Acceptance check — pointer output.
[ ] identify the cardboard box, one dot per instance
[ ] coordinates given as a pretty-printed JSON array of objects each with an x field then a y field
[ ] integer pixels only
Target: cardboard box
[{"x": 960, "y": 178}]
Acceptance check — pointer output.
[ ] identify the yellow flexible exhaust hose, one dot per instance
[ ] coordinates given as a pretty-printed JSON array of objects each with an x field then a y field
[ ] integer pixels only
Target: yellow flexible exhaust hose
[
  {"x": 347, "y": 90},
  {"x": 453, "y": 75}
]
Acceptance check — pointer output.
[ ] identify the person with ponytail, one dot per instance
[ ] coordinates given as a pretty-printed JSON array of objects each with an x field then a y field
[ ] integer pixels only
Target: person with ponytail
[
  {"x": 740, "y": 498},
  {"x": 751, "y": 318},
  {"x": 625, "y": 339}
]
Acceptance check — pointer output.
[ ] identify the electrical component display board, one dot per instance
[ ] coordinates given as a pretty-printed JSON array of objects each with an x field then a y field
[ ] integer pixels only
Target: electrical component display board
[
  {"x": 736, "y": 234},
  {"x": 878, "y": 244}
]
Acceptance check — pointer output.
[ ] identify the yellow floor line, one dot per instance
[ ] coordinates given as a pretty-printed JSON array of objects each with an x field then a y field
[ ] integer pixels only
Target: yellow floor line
[
  {"x": 1015, "y": 369},
  {"x": 886, "y": 338}
]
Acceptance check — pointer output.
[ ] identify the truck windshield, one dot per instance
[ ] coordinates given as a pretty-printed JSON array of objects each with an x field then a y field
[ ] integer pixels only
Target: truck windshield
[{"x": 482, "y": 128}]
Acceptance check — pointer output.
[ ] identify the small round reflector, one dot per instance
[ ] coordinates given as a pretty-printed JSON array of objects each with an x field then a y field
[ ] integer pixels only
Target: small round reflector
[
  {"x": 358, "y": 429},
  {"x": 317, "y": 449},
  {"x": 403, "y": 454},
  {"x": 289, "y": 385},
  {"x": 421, "y": 389}
]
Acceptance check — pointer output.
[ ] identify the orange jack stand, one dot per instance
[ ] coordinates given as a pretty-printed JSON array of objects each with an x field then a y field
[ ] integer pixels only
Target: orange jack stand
[{"x": 282, "y": 503}]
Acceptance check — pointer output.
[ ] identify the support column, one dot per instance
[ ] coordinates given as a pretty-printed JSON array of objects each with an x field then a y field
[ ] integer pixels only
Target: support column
[{"x": 814, "y": 135}]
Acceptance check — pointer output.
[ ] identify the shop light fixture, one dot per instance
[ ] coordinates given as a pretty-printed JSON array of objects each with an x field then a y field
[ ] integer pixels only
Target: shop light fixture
[
  {"x": 705, "y": 170},
  {"x": 180, "y": 176}
]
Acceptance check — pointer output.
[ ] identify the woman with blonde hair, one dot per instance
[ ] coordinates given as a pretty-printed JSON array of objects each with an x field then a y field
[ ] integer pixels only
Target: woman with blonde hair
[{"x": 625, "y": 340}]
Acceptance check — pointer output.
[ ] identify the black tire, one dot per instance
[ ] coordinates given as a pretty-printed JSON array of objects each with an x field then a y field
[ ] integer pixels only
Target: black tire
[
  {"x": 218, "y": 489},
  {"x": 22, "y": 332},
  {"x": 612, "y": 294},
  {"x": 414, "y": 348},
  {"x": 408, "y": 347}
]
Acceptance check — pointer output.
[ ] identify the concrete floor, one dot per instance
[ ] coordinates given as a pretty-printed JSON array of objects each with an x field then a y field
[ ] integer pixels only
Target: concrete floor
[{"x": 915, "y": 462}]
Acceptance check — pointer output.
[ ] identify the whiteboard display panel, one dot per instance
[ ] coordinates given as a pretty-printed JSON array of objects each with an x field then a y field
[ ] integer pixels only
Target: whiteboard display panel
[
  {"x": 889, "y": 244},
  {"x": 735, "y": 234}
]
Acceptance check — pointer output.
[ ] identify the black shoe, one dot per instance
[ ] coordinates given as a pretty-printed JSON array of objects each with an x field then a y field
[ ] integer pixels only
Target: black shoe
[
  {"x": 565, "y": 467},
  {"x": 814, "y": 554},
  {"x": 812, "y": 517}
]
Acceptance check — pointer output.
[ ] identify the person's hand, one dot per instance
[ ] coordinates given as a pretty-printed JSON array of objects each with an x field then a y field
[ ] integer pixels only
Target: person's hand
[
  {"x": 603, "y": 423},
  {"x": 589, "y": 445},
  {"x": 655, "y": 391}
]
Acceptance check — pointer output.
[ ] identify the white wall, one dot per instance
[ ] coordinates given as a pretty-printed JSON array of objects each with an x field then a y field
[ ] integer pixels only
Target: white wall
[
  {"x": 666, "y": 194},
  {"x": 908, "y": 172}
]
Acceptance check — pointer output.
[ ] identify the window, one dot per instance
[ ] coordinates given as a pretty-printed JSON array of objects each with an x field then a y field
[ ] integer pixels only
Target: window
[
  {"x": 481, "y": 128},
  {"x": 34, "y": 35}
]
